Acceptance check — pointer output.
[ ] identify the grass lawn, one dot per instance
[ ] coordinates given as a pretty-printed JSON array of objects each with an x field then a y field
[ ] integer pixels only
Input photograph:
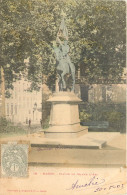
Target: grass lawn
[
  {"x": 10, "y": 131},
  {"x": 11, "y": 134}
]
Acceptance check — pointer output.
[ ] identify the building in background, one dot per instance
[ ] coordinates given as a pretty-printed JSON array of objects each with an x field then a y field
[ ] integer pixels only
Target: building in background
[
  {"x": 94, "y": 93},
  {"x": 24, "y": 105},
  {"x": 115, "y": 93}
]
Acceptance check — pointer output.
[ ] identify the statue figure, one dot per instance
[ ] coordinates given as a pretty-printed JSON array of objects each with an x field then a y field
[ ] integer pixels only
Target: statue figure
[{"x": 64, "y": 64}]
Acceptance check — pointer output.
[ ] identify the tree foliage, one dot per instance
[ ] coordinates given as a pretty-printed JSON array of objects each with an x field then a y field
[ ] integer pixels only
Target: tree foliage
[{"x": 96, "y": 38}]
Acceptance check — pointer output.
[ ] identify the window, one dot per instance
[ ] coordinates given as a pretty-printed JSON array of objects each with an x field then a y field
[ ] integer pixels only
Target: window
[
  {"x": 109, "y": 93},
  {"x": 15, "y": 93},
  {"x": 7, "y": 109},
  {"x": 15, "y": 109},
  {"x": 104, "y": 93},
  {"x": 84, "y": 93},
  {"x": 11, "y": 108}
]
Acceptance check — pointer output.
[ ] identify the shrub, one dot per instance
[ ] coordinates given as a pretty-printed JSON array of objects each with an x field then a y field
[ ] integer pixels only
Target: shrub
[
  {"x": 84, "y": 116},
  {"x": 3, "y": 124},
  {"x": 46, "y": 123},
  {"x": 115, "y": 114},
  {"x": 7, "y": 127}
]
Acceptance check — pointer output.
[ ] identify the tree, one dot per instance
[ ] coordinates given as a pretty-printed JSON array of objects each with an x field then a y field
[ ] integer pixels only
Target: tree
[
  {"x": 14, "y": 39},
  {"x": 96, "y": 38}
]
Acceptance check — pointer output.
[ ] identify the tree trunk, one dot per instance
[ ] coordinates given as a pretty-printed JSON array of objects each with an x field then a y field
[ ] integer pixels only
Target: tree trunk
[{"x": 3, "y": 114}]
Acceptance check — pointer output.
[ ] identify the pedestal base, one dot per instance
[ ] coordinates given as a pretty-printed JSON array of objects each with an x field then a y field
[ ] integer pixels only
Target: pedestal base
[
  {"x": 52, "y": 133},
  {"x": 64, "y": 116}
]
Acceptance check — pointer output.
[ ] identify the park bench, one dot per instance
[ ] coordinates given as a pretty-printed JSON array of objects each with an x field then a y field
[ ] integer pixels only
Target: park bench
[{"x": 93, "y": 125}]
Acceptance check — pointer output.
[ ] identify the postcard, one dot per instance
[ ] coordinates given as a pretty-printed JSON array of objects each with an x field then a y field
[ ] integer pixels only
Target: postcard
[{"x": 63, "y": 97}]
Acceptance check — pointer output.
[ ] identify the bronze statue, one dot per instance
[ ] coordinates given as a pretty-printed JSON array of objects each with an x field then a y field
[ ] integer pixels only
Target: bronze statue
[{"x": 64, "y": 64}]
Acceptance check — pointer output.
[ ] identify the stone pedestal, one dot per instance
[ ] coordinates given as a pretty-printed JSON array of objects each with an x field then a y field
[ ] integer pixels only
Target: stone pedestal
[{"x": 64, "y": 116}]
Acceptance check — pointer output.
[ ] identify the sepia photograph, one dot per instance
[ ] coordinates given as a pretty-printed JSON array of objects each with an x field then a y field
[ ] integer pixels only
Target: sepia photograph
[{"x": 63, "y": 97}]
